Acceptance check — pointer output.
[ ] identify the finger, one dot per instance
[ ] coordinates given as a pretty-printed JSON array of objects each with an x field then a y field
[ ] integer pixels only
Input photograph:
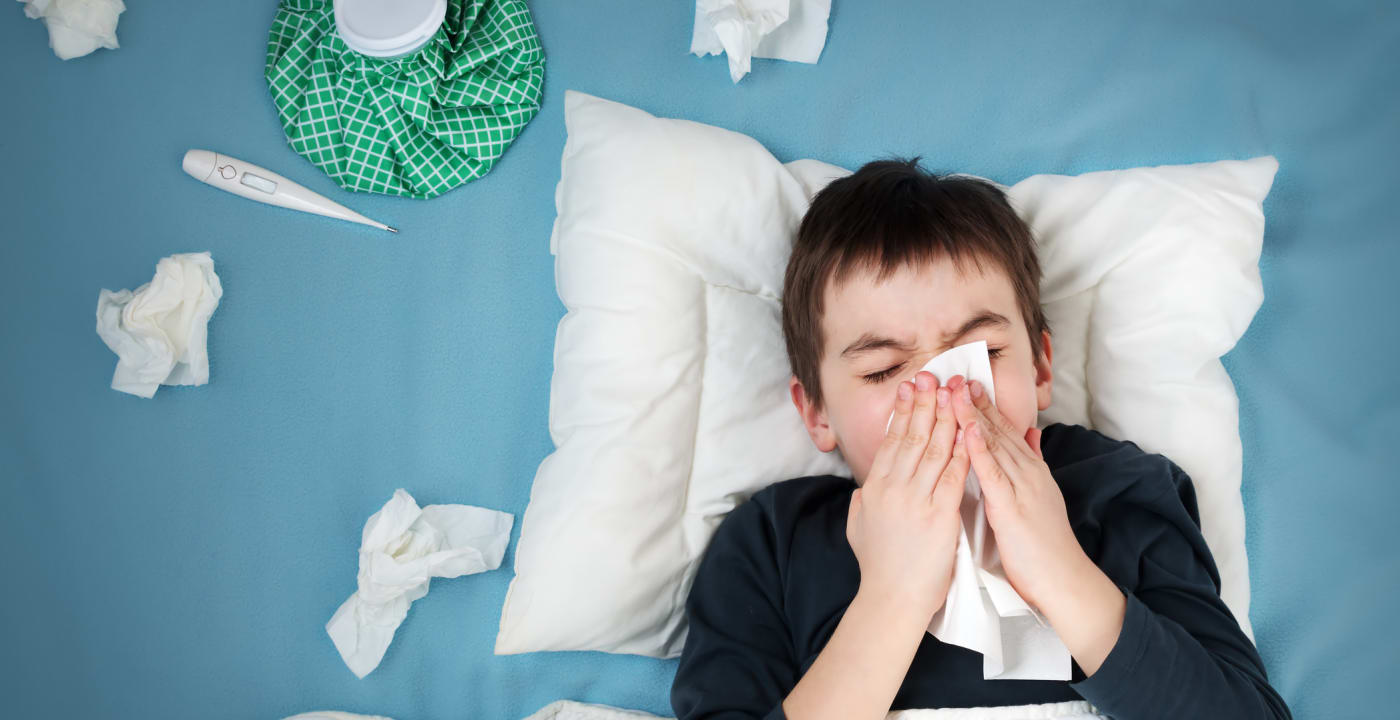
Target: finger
[
  {"x": 1003, "y": 447},
  {"x": 894, "y": 433},
  {"x": 920, "y": 425},
  {"x": 997, "y": 422},
  {"x": 996, "y": 484},
  {"x": 952, "y": 482},
  {"x": 1033, "y": 440},
  {"x": 968, "y": 413},
  {"x": 940, "y": 443}
]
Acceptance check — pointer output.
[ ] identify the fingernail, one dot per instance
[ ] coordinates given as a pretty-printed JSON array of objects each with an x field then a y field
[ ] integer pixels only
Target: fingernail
[
  {"x": 976, "y": 389},
  {"x": 904, "y": 391},
  {"x": 975, "y": 430},
  {"x": 958, "y": 441},
  {"x": 942, "y": 397},
  {"x": 922, "y": 381},
  {"x": 962, "y": 394}
]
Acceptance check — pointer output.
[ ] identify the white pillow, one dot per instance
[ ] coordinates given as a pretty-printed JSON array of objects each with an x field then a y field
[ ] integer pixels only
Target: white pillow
[{"x": 669, "y": 404}]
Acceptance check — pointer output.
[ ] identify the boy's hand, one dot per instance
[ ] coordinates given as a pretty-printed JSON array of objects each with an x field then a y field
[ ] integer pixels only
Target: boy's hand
[
  {"x": 1024, "y": 505},
  {"x": 903, "y": 522},
  {"x": 1043, "y": 560}
]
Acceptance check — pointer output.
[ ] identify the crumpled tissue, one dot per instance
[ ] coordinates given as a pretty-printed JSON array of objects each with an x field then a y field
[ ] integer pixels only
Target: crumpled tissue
[
  {"x": 742, "y": 29},
  {"x": 77, "y": 27},
  {"x": 160, "y": 331},
  {"x": 401, "y": 549},
  {"x": 983, "y": 612}
]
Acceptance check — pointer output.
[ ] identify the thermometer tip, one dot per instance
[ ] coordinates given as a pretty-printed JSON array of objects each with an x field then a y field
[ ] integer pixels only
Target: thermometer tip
[{"x": 390, "y": 229}]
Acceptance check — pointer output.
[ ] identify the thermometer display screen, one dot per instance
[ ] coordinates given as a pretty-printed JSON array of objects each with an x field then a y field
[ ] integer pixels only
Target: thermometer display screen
[{"x": 259, "y": 183}]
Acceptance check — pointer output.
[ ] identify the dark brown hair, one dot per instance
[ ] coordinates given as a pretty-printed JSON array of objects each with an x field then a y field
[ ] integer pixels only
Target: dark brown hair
[{"x": 892, "y": 214}]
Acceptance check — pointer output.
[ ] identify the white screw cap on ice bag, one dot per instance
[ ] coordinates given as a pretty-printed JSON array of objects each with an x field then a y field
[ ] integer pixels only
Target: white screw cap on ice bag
[{"x": 388, "y": 28}]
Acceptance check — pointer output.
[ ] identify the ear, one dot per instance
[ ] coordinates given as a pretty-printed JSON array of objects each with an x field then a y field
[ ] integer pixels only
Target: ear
[
  {"x": 1044, "y": 378},
  {"x": 815, "y": 420}
]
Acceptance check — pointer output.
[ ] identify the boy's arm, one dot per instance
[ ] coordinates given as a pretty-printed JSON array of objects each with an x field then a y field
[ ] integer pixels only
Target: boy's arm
[
  {"x": 1180, "y": 652},
  {"x": 864, "y": 663},
  {"x": 738, "y": 660},
  {"x": 902, "y": 526}
]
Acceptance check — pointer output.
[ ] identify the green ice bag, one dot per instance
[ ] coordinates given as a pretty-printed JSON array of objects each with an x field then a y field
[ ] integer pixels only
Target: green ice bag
[{"x": 418, "y": 124}]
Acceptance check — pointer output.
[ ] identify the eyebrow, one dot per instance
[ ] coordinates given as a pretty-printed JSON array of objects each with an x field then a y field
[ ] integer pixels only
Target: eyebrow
[{"x": 870, "y": 342}]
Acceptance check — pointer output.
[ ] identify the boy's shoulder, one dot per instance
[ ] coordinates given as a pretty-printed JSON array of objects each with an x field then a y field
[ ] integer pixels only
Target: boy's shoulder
[
  {"x": 1087, "y": 464},
  {"x": 783, "y": 503},
  {"x": 806, "y": 489},
  {"x": 774, "y": 512},
  {"x": 1066, "y": 444}
]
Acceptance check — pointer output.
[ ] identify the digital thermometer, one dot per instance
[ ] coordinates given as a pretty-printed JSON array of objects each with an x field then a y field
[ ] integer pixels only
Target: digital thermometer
[{"x": 255, "y": 183}]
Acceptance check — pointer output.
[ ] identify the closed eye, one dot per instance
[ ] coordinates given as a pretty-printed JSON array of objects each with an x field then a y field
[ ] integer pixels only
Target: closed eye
[{"x": 876, "y": 378}]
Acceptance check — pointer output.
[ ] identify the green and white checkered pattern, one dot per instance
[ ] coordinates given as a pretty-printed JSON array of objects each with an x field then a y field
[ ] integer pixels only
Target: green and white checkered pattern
[{"x": 417, "y": 125}]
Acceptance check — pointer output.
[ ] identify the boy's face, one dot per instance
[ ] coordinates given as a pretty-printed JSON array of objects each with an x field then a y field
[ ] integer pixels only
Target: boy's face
[{"x": 922, "y": 311}]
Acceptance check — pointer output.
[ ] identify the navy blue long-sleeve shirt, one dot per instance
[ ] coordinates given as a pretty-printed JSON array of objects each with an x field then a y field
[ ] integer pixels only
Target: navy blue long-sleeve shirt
[{"x": 779, "y": 574}]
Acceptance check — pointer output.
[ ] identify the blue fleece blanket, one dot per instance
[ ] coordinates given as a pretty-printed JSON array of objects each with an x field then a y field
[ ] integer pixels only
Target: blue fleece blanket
[{"x": 179, "y": 557}]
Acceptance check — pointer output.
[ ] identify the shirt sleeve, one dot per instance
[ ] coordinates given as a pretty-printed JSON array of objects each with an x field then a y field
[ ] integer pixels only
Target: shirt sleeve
[
  {"x": 1180, "y": 653},
  {"x": 738, "y": 658}
]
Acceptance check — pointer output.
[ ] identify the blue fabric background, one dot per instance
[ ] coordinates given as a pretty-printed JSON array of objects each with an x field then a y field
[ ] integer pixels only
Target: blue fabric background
[{"x": 179, "y": 557}]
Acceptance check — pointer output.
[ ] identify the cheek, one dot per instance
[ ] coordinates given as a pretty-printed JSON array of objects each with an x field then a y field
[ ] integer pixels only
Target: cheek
[
  {"x": 1016, "y": 398},
  {"x": 864, "y": 428}
]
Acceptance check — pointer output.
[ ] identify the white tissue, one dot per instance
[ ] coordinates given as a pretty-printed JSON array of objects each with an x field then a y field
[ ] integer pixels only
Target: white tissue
[
  {"x": 160, "y": 332},
  {"x": 401, "y": 549},
  {"x": 781, "y": 29},
  {"x": 77, "y": 27},
  {"x": 983, "y": 612}
]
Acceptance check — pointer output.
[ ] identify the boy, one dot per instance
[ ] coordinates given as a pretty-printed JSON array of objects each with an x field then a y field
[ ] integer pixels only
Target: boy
[{"x": 813, "y": 598}]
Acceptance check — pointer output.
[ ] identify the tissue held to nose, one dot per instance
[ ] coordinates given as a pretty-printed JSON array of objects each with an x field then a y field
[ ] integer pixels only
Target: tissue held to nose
[
  {"x": 159, "y": 332},
  {"x": 401, "y": 549},
  {"x": 983, "y": 612}
]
